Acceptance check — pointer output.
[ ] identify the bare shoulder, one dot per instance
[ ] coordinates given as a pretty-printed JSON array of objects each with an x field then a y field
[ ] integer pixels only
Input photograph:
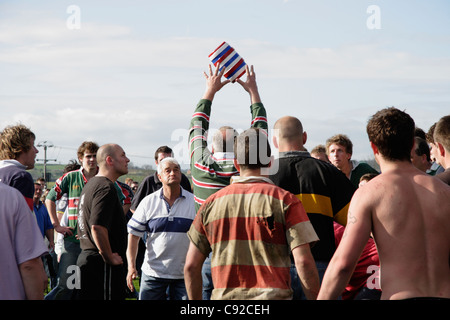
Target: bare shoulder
[
  {"x": 434, "y": 188},
  {"x": 364, "y": 201}
]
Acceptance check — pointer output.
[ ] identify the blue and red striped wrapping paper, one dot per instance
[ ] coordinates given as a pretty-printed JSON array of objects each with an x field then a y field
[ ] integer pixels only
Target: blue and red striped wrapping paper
[{"x": 226, "y": 57}]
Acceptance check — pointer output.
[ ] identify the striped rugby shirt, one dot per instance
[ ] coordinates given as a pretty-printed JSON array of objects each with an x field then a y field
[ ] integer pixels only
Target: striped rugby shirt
[
  {"x": 211, "y": 172},
  {"x": 73, "y": 183},
  {"x": 324, "y": 191},
  {"x": 251, "y": 226}
]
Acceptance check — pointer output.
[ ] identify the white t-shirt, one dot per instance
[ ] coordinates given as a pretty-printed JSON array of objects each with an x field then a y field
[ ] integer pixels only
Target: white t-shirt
[{"x": 20, "y": 241}]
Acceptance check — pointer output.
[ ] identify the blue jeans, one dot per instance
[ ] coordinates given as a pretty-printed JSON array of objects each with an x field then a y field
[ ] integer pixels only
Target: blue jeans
[
  {"x": 207, "y": 279},
  {"x": 295, "y": 280},
  {"x": 152, "y": 288}
]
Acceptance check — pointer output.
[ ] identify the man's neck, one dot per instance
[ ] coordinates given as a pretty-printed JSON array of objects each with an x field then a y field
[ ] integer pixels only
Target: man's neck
[
  {"x": 446, "y": 162},
  {"x": 347, "y": 168},
  {"x": 391, "y": 166},
  {"x": 171, "y": 193},
  {"x": 89, "y": 173},
  {"x": 285, "y": 147},
  {"x": 112, "y": 175},
  {"x": 252, "y": 173}
]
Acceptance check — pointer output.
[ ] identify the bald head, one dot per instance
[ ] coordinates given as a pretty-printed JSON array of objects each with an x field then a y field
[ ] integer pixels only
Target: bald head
[
  {"x": 289, "y": 134},
  {"x": 107, "y": 150},
  {"x": 223, "y": 139},
  {"x": 112, "y": 161}
]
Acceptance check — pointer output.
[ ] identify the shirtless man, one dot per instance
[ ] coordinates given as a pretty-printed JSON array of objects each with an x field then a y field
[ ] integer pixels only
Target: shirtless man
[{"x": 408, "y": 213}]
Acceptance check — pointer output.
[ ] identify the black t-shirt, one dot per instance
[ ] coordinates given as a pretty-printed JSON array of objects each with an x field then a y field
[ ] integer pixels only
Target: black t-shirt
[{"x": 100, "y": 205}]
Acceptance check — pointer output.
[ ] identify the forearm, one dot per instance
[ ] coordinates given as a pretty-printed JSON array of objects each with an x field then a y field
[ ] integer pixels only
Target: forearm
[
  {"x": 101, "y": 239},
  {"x": 334, "y": 282},
  {"x": 254, "y": 95},
  {"x": 199, "y": 125},
  {"x": 50, "y": 235},
  {"x": 51, "y": 208},
  {"x": 309, "y": 279},
  {"x": 132, "y": 249},
  {"x": 193, "y": 282},
  {"x": 34, "y": 278},
  {"x": 307, "y": 271},
  {"x": 193, "y": 272},
  {"x": 209, "y": 94}
]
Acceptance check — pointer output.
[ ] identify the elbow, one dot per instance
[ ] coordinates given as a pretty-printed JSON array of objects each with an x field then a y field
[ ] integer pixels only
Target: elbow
[
  {"x": 191, "y": 269},
  {"x": 341, "y": 269},
  {"x": 342, "y": 266},
  {"x": 305, "y": 263}
]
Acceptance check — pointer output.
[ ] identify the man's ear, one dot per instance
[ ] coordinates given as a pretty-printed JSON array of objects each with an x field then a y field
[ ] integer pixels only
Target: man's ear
[
  {"x": 275, "y": 141},
  {"x": 236, "y": 165},
  {"x": 374, "y": 148},
  {"x": 440, "y": 149},
  {"x": 305, "y": 137},
  {"x": 109, "y": 160}
]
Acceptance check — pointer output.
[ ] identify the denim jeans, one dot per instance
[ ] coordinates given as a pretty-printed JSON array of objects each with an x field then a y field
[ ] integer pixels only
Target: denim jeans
[
  {"x": 207, "y": 279},
  {"x": 295, "y": 280},
  {"x": 152, "y": 288}
]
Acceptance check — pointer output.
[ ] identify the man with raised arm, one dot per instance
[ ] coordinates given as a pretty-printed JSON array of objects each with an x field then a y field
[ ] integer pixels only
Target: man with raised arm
[{"x": 212, "y": 170}]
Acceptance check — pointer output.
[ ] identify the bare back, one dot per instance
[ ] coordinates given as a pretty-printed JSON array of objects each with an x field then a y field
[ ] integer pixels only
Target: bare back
[{"x": 410, "y": 213}]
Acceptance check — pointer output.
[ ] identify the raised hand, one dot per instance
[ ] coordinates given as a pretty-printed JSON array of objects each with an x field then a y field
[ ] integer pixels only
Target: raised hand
[
  {"x": 250, "y": 84},
  {"x": 213, "y": 82}
]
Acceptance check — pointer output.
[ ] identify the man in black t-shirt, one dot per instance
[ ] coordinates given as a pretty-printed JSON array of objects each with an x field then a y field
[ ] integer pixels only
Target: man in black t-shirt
[{"x": 102, "y": 230}]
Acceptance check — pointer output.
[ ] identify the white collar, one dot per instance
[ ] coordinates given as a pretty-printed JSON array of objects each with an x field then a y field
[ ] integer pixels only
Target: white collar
[
  {"x": 250, "y": 179},
  {"x": 11, "y": 162}
]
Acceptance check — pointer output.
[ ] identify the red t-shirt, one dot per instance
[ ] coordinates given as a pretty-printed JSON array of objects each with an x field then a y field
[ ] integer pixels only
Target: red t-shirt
[{"x": 367, "y": 264}]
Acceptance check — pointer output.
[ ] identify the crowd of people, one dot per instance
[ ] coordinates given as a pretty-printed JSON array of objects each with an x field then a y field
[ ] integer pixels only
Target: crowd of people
[{"x": 304, "y": 225}]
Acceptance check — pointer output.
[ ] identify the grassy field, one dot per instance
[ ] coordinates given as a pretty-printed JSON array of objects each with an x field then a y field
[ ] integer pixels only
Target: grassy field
[{"x": 135, "y": 282}]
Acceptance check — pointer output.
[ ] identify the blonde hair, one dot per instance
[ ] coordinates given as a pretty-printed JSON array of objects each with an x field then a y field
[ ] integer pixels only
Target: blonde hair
[{"x": 15, "y": 140}]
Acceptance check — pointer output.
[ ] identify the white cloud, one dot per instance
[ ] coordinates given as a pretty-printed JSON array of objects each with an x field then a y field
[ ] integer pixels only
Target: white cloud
[{"x": 107, "y": 81}]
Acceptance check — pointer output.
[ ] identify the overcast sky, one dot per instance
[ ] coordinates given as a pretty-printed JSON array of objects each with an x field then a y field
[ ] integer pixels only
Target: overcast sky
[{"x": 130, "y": 72}]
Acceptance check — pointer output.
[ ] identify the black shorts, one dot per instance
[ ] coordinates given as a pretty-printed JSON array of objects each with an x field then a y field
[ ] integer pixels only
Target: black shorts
[{"x": 99, "y": 280}]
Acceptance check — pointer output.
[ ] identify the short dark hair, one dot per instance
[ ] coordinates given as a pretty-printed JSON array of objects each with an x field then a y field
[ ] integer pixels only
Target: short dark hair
[
  {"x": 442, "y": 132},
  {"x": 252, "y": 149},
  {"x": 71, "y": 166},
  {"x": 430, "y": 134},
  {"x": 368, "y": 176},
  {"x": 392, "y": 132},
  {"x": 162, "y": 149},
  {"x": 87, "y": 146},
  {"x": 319, "y": 149},
  {"x": 422, "y": 147}
]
